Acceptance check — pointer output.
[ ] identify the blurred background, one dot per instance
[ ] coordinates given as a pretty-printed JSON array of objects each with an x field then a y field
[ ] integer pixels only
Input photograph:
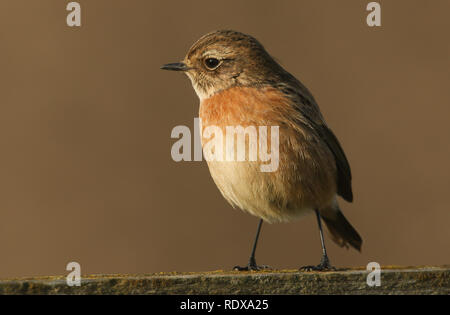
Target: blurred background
[{"x": 86, "y": 117}]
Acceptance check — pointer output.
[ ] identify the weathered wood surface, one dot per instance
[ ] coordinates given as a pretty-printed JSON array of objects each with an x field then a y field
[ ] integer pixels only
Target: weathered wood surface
[{"x": 394, "y": 280}]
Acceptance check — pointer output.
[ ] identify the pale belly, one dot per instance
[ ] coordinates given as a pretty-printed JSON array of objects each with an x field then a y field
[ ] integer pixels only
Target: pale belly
[
  {"x": 270, "y": 196},
  {"x": 303, "y": 181},
  {"x": 306, "y": 176}
]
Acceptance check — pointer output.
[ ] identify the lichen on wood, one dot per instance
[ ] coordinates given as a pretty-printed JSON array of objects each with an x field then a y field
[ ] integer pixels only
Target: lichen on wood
[{"x": 394, "y": 280}]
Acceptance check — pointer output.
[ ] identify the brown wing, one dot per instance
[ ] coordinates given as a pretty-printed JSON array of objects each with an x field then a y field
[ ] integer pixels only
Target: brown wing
[
  {"x": 344, "y": 175},
  {"x": 309, "y": 110}
]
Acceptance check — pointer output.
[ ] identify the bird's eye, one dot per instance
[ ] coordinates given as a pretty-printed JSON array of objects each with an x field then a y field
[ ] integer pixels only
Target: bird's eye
[{"x": 212, "y": 63}]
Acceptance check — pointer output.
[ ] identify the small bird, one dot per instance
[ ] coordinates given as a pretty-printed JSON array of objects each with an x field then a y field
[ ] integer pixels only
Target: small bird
[{"x": 240, "y": 84}]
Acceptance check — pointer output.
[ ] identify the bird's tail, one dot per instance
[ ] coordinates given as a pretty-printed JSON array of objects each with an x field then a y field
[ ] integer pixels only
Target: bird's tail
[{"x": 342, "y": 232}]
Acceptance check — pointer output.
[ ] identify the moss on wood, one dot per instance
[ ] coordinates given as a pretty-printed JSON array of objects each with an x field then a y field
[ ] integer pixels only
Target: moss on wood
[{"x": 394, "y": 280}]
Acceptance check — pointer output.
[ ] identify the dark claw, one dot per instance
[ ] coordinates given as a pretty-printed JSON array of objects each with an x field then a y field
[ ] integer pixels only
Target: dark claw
[
  {"x": 251, "y": 267},
  {"x": 319, "y": 267},
  {"x": 323, "y": 266}
]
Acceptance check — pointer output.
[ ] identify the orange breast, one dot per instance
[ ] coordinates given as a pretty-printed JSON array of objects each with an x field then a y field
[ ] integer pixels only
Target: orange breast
[{"x": 244, "y": 106}]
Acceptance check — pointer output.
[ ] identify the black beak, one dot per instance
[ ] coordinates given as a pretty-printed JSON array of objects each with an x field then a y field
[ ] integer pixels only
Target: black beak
[{"x": 177, "y": 66}]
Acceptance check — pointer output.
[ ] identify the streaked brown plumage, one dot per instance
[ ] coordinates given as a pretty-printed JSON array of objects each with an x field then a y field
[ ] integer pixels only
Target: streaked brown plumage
[{"x": 239, "y": 83}]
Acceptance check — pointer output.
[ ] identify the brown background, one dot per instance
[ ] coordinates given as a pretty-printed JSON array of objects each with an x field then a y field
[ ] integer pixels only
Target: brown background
[{"x": 86, "y": 115}]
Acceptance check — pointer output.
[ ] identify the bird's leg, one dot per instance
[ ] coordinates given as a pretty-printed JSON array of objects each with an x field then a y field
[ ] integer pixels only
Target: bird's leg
[
  {"x": 324, "y": 264},
  {"x": 252, "y": 261}
]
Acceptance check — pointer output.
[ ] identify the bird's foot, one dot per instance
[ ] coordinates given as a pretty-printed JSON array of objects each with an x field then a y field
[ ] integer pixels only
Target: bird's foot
[
  {"x": 323, "y": 266},
  {"x": 251, "y": 266}
]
